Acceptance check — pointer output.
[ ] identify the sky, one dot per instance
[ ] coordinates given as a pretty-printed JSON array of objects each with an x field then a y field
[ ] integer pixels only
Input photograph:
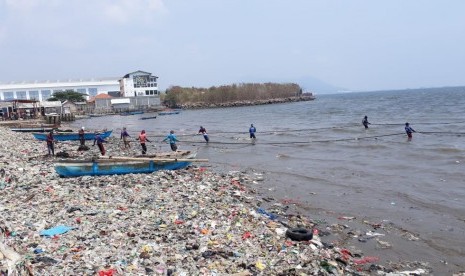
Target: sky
[{"x": 356, "y": 45}]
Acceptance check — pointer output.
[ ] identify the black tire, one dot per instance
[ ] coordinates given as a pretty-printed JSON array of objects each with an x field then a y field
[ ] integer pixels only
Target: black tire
[{"x": 299, "y": 234}]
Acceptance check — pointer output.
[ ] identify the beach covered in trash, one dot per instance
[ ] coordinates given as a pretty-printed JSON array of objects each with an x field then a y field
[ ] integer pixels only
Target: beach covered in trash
[{"x": 186, "y": 222}]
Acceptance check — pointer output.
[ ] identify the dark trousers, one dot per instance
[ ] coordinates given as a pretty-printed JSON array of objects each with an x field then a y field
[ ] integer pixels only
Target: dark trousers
[
  {"x": 51, "y": 148},
  {"x": 101, "y": 148},
  {"x": 144, "y": 148},
  {"x": 81, "y": 138},
  {"x": 174, "y": 147}
]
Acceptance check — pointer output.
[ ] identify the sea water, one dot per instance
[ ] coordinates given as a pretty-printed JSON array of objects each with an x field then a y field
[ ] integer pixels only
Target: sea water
[{"x": 318, "y": 152}]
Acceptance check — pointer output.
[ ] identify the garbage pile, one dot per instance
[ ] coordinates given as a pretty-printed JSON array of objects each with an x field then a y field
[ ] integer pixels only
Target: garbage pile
[{"x": 185, "y": 222}]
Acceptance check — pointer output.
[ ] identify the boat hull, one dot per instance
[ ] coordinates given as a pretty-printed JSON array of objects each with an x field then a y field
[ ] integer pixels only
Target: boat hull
[
  {"x": 131, "y": 113},
  {"x": 33, "y": 129},
  {"x": 71, "y": 136},
  {"x": 107, "y": 167},
  {"x": 168, "y": 113}
]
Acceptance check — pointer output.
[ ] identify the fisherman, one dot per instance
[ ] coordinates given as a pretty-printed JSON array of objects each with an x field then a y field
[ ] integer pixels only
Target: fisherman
[
  {"x": 252, "y": 131},
  {"x": 365, "y": 122},
  {"x": 99, "y": 140},
  {"x": 172, "y": 138},
  {"x": 82, "y": 136},
  {"x": 409, "y": 131},
  {"x": 50, "y": 146},
  {"x": 143, "y": 138},
  {"x": 203, "y": 131},
  {"x": 125, "y": 136}
]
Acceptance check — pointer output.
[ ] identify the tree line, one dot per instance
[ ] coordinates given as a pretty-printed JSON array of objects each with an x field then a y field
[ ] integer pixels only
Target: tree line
[{"x": 177, "y": 96}]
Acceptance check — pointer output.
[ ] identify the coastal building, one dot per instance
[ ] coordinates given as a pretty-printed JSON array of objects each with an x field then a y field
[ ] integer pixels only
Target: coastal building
[
  {"x": 42, "y": 91},
  {"x": 139, "y": 84},
  {"x": 134, "y": 91}
]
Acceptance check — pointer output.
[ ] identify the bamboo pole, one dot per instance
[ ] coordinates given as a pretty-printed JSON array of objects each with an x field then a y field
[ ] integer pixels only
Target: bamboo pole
[{"x": 153, "y": 159}]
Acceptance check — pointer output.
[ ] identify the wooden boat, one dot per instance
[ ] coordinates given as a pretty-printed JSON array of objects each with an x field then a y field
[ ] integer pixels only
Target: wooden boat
[
  {"x": 71, "y": 136},
  {"x": 119, "y": 165},
  {"x": 131, "y": 113},
  {"x": 32, "y": 129},
  {"x": 171, "y": 112},
  {"x": 148, "y": 118}
]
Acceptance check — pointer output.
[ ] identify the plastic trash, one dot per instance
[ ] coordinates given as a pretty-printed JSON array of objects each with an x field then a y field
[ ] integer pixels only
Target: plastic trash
[{"x": 58, "y": 230}]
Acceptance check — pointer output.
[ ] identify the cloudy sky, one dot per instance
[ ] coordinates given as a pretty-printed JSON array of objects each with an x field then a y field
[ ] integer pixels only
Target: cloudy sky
[{"x": 357, "y": 45}]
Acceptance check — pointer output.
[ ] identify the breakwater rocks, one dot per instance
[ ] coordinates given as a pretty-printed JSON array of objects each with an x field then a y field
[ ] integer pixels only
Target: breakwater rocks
[
  {"x": 247, "y": 103},
  {"x": 186, "y": 222}
]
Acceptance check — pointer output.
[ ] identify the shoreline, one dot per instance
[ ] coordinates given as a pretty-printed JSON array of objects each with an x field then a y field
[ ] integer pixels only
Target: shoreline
[
  {"x": 247, "y": 103},
  {"x": 183, "y": 222}
]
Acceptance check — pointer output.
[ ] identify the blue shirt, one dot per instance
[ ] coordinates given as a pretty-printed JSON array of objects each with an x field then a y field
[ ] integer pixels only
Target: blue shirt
[
  {"x": 172, "y": 138},
  {"x": 408, "y": 129},
  {"x": 99, "y": 139},
  {"x": 252, "y": 130}
]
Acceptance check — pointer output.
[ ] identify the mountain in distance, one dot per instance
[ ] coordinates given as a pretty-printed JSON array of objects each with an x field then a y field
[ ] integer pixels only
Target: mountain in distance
[{"x": 317, "y": 86}]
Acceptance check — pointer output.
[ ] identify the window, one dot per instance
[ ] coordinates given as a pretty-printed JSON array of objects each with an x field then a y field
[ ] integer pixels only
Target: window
[
  {"x": 8, "y": 96},
  {"x": 45, "y": 94},
  {"x": 92, "y": 92},
  {"x": 34, "y": 95},
  {"x": 81, "y": 90},
  {"x": 21, "y": 95}
]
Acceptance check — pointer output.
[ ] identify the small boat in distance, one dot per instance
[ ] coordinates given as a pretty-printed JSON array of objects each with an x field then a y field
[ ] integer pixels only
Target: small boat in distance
[
  {"x": 128, "y": 113},
  {"x": 148, "y": 118},
  {"x": 71, "y": 136},
  {"x": 169, "y": 112}
]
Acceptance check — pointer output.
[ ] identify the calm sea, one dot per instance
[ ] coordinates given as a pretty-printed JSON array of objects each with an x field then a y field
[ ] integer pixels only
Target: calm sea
[{"x": 319, "y": 153}]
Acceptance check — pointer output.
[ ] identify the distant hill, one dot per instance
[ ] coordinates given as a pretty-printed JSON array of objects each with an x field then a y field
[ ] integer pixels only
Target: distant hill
[
  {"x": 317, "y": 86},
  {"x": 308, "y": 84}
]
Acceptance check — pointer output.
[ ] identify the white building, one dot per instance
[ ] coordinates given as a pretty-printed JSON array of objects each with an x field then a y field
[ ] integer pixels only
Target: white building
[
  {"x": 135, "y": 84},
  {"x": 43, "y": 90},
  {"x": 139, "y": 83}
]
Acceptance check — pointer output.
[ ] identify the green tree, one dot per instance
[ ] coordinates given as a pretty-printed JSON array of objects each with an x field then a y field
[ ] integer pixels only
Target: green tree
[{"x": 68, "y": 95}]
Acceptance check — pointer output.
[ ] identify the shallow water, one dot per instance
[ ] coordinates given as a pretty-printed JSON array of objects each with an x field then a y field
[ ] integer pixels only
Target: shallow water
[{"x": 321, "y": 147}]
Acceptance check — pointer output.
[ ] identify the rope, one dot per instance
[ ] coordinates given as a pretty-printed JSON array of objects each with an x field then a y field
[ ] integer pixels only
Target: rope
[{"x": 440, "y": 132}]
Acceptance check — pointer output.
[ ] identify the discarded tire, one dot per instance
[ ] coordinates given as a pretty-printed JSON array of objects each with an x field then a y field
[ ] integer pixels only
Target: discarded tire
[{"x": 299, "y": 234}]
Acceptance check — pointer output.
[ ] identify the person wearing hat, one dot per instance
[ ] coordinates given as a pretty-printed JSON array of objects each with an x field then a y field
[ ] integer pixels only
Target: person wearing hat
[
  {"x": 172, "y": 140},
  {"x": 252, "y": 131},
  {"x": 50, "y": 146},
  {"x": 409, "y": 131},
  {"x": 99, "y": 140},
  {"x": 125, "y": 136},
  {"x": 81, "y": 133},
  {"x": 143, "y": 138}
]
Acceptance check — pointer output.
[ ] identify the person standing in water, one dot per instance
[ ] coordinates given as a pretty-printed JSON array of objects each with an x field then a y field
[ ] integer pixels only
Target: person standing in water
[
  {"x": 252, "y": 131},
  {"x": 409, "y": 131},
  {"x": 365, "y": 122},
  {"x": 142, "y": 139},
  {"x": 172, "y": 140},
  {"x": 203, "y": 131}
]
